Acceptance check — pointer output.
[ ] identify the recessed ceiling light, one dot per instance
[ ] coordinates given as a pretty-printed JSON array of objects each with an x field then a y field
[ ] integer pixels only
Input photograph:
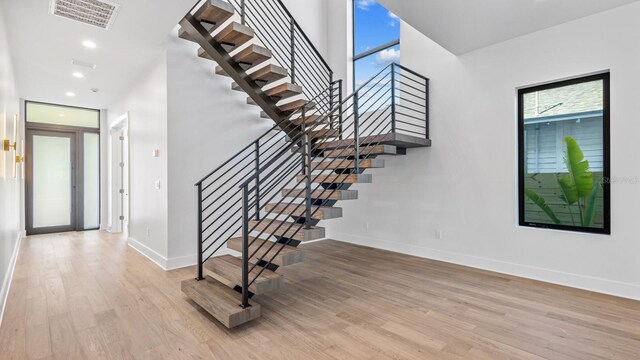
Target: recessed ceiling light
[
  {"x": 61, "y": 115},
  {"x": 89, "y": 44},
  {"x": 78, "y": 75},
  {"x": 70, "y": 94}
]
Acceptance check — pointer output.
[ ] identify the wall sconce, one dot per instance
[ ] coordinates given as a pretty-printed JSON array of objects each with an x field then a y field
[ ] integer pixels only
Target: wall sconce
[
  {"x": 17, "y": 159},
  {"x": 7, "y": 143}
]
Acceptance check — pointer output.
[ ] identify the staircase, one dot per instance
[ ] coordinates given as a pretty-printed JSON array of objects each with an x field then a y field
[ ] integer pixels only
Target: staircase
[{"x": 271, "y": 196}]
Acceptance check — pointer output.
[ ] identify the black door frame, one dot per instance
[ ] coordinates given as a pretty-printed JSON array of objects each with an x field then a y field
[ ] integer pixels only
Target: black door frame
[{"x": 77, "y": 134}]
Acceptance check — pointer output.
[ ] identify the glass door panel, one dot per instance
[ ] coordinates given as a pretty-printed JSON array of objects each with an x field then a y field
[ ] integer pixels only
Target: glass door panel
[
  {"x": 52, "y": 177},
  {"x": 91, "y": 180}
]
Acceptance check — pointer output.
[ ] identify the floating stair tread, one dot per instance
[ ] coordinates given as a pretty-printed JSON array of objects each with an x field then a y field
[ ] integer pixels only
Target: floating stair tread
[
  {"x": 220, "y": 301},
  {"x": 183, "y": 34},
  {"x": 299, "y": 210},
  {"x": 214, "y": 12},
  {"x": 269, "y": 73},
  {"x": 348, "y": 164},
  {"x": 324, "y": 133},
  {"x": 309, "y": 119},
  {"x": 289, "y": 255},
  {"x": 250, "y": 101},
  {"x": 234, "y": 34},
  {"x": 297, "y": 104},
  {"x": 321, "y": 194},
  {"x": 287, "y": 229},
  {"x": 220, "y": 71},
  {"x": 364, "y": 151},
  {"x": 338, "y": 178},
  {"x": 229, "y": 268},
  {"x": 284, "y": 91},
  {"x": 252, "y": 55},
  {"x": 400, "y": 140}
]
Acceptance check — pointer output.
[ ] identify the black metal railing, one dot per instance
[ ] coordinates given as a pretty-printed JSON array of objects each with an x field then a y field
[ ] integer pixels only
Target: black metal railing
[
  {"x": 278, "y": 30},
  {"x": 393, "y": 101},
  {"x": 220, "y": 199}
]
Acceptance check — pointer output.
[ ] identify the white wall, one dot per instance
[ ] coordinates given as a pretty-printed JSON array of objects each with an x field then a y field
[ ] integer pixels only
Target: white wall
[
  {"x": 10, "y": 188},
  {"x": 311, "y": 15},
  {"x": 146, "y": 103},
  {"x": 208, "y": 123},
  {"x": 465, "y": 185}
]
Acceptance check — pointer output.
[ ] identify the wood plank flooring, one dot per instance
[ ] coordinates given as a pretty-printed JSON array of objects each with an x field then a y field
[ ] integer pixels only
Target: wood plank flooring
[{"x": 89, "y": 296}]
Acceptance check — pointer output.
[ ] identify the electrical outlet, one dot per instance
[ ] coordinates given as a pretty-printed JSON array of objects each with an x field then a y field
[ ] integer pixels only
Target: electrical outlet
[
  {"x": 439, "y": 234},
  {"x": 148, "y": 231}
]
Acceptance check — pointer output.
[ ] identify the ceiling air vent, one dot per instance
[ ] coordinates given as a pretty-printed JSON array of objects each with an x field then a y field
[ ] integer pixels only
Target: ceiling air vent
[{"x": 98, "y": 13}]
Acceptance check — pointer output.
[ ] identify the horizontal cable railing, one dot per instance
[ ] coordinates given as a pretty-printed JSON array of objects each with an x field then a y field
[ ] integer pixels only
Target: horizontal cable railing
[
  {"x": 220, "y": 198},
  {"x": 393, "y": 101},
  {"x": 278, "y": 30}
]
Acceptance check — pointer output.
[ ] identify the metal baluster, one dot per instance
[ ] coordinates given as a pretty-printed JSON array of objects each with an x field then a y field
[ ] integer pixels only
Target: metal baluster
[
  {"x": 245, "y": 247},
  {"x": 200, "y": 276},
  {"x": 308, "y": 171},
  {"x": 356, "y": 130},
  {"x": 243, "y": 12},
  {"x": 293, "y": 50},
  {"x": 257, "y": 152},
  {"x": 340, "y": 119},
  {"x": 393, "y": 97},
  {"x": 426, "y": 109}
]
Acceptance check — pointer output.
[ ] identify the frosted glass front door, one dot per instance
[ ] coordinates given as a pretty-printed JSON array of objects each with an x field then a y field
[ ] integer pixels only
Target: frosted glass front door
[{"x": 53, "y": 181}]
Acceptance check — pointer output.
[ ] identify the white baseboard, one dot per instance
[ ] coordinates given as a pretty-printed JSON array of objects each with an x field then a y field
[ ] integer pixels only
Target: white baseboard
[
  {"x": 168, "y": 264},
  {"x": 148, "y": 252},
  {"x": 605, "y": 286},
  {"x": 6, "y": 284}
]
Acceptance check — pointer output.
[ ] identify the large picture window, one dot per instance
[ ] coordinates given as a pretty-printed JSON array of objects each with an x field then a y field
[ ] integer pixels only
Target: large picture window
[
  {"x": 376, "y": 39},
  {"x": 563, "y": 144}
]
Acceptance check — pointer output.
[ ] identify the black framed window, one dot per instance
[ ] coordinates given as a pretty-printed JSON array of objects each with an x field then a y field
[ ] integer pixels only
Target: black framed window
[
  {"x": 376, "y": 39},
  {"x": 563, "y": 148}
]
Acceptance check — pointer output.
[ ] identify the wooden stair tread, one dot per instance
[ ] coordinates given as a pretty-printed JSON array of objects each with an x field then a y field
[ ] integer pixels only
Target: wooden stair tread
[
  {"x": 299, "y": 210},
  {"x": 234, "y": 34},
  {"x": 364, "y": 151},
  {"x": 321, "y": 194},
  {"x": 284, "y": 91},
  {"x": 395, "y": 139},
  {"x": 214, "y": 12},
  {"x": 324, "y": 133},
  {"x": 348, "y": 164},
  {"x": 289, "y": 255},
  {"x": 337, "y": 178},
  {"x": 228, "y": 269},
  {"x": 309, "y": 119},
  {"x": 287, "y": 229},
  {"x": 220, "y": 71},
  {"x": 269, "y": 73},
  {"x": 252, "y": 55},
  {"x": 297, "y": 104},
  {"x": 222, "y": 302}
]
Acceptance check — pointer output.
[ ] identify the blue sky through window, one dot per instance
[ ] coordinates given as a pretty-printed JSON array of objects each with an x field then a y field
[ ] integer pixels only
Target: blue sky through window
[{"x": 374, "y": 26}]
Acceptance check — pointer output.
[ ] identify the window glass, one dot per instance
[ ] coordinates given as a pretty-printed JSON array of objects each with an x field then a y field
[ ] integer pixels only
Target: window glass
[
  {"x": 563, "y": 155},
  {"x": 62, "y": 115},
  {"x": 374, "y": 26}
]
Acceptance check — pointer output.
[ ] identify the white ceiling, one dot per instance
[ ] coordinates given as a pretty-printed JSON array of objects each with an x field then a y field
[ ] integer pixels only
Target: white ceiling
[
  {"x": 461, "y": 26},
  {"x": 43, "y": 45}
]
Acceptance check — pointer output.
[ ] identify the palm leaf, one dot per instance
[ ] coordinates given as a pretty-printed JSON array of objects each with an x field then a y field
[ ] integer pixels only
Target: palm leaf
[
  {"x": 538, "y": 200},
  {"x": 579, "y": 175},
  {"x": 590, "y": 206}
]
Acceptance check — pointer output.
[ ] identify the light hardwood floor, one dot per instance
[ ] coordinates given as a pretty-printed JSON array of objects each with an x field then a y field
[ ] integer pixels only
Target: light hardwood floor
[{"x": 89, "y": 296}]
